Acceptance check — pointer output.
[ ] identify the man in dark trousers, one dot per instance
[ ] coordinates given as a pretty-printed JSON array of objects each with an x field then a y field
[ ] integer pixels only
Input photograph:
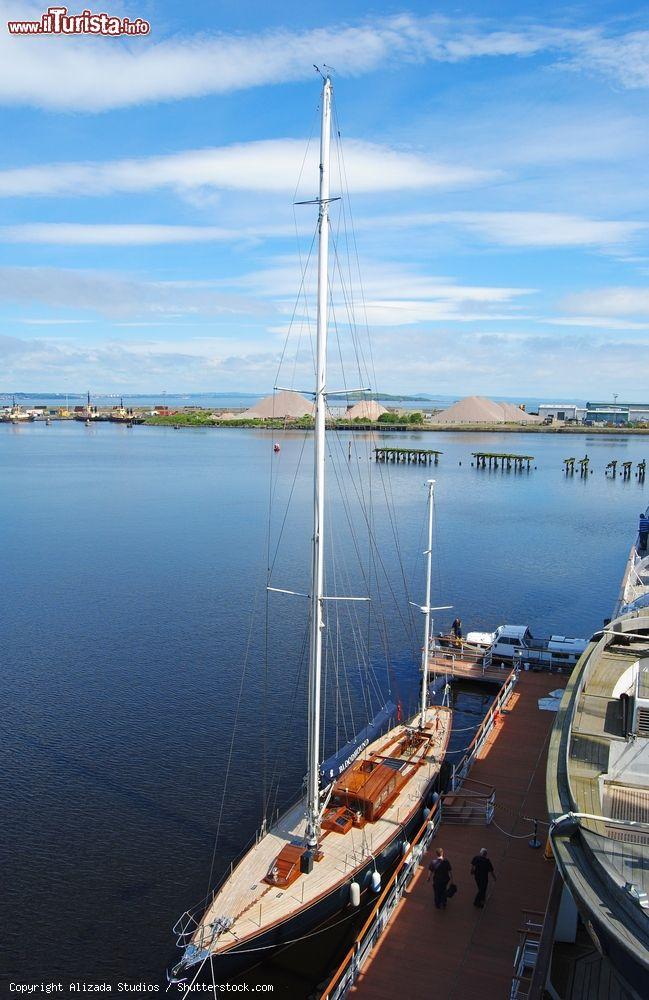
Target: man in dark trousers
[
  {"x": 440, "y": 870},
  {"x": 481, "y": 869}
]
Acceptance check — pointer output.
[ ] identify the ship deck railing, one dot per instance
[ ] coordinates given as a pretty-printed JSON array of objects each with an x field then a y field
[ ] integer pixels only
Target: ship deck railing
[{"x": 527, "y": 953}]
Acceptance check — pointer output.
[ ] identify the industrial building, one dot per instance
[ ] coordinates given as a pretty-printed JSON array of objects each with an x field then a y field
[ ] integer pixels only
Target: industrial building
[{"x": 596, "y": 413}]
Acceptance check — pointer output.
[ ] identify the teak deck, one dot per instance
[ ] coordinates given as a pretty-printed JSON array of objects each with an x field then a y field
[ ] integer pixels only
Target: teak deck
[
  {"x": 252, "y": 904},
  {"x": 465, "y": 953}
]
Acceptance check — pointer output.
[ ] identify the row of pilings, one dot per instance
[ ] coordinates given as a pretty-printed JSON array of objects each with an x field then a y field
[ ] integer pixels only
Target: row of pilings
[{"x": 626, "y": 467}]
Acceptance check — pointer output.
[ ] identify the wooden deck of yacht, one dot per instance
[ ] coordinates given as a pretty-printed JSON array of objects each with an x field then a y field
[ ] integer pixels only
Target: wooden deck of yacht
[
  {"x": 250, "y": 904},
  {"x": 462, "y": 952}
]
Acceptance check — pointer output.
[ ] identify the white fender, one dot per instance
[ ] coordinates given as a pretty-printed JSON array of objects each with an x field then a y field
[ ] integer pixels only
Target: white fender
[
  {"x": 376, "y": 881},
  {"x": 354, "y": 894}
]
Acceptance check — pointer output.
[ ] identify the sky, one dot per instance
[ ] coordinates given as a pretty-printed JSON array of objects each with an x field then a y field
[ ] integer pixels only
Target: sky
[{"x": 495, "y": 158}]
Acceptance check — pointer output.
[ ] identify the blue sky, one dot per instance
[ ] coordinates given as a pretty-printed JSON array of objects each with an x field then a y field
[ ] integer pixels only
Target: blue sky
[{"x": 496, "y": 157}]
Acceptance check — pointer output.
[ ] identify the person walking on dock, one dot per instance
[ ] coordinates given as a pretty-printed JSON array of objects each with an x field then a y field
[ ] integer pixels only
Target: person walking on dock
[
  {"x": 440, "y": 870},
  {"x": 456, "y": 628},
  {"x": 481, "y": 869}
]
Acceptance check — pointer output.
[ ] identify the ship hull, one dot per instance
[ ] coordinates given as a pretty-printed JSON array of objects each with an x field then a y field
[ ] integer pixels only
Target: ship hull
[{"x": 323, "y": 912}]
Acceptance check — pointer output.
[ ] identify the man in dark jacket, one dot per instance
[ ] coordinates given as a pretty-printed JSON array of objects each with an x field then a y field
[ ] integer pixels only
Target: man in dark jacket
[
  {"x": 440, "y": 870},
  {"x": 481, "y": 869}
]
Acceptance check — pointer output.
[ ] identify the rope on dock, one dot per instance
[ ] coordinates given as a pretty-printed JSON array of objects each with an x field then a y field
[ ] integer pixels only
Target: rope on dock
[{"x": 514, "y": 836}]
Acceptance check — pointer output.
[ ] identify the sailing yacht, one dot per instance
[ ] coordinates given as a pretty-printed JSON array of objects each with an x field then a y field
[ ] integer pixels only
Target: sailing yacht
[{"x": 328, "y": 854}]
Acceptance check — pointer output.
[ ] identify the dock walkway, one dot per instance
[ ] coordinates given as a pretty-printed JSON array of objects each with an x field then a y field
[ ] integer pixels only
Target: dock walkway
[
  {"x": 464, "y": 953},
  {"x": 463, "y": 666}
]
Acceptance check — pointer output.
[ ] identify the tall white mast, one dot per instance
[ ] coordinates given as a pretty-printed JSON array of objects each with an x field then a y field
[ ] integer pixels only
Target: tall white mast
[
  {"x": 427, "y": 608},
  {"x": 317, "y": 566}
]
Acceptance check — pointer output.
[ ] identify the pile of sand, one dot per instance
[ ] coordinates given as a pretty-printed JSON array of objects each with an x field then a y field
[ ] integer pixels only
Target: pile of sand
[
  {"x": 281, "y": 405},
  {"x": 367, "y": 409},
  {"x": 479, "y": 410}
]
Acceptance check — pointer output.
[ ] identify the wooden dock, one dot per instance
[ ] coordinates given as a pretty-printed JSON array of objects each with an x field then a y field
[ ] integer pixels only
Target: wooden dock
[
  {"x": 464, "y": 953},
  {"x": 464, "y": 666},
  {"x": 418, "y": 456},
  {"x": 489, "y": 459}
]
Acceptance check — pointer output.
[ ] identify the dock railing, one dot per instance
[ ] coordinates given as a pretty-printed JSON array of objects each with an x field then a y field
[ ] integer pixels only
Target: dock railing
[
  {"x": 379, "y": 917},
  {"x": 347, "y": 972},
  {"x": 474, "y": 803},
  {"x": 462, "y": 768},
  {"x": 459, "y": 650}
]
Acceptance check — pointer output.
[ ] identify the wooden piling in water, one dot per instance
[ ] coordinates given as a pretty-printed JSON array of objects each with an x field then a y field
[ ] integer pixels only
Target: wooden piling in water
[
  {"x": 406, "y": 456},
  {"x": 491, "y": 459}
]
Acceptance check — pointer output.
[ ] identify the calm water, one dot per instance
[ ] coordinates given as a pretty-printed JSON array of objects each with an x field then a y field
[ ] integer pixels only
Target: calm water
[{"x": 132, "y": 561}]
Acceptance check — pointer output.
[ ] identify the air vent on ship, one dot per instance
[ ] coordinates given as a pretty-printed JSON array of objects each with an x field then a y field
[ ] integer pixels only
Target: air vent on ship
[
  {"x": 641, "y": 707},
  {"x": 642, "y": 720}
]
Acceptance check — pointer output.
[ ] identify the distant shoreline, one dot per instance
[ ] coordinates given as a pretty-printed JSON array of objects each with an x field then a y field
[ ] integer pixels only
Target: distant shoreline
[
  {"x": 342, "y": 425},
  {"x": 190, "y": 419}
]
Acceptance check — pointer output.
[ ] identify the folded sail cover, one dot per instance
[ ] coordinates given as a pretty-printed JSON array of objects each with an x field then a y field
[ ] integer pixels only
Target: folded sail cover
[{"x": 333, "y": 767}]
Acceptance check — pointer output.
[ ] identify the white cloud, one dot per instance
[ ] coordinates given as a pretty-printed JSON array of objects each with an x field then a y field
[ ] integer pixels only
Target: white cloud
[
  {"x": 598, "y": 322},
  {"x": 390, "y": 294},
  {"x": 405, "y": 312},
  {"x": 118, "y": 296},
  {"x": 379, "y": 280},
  {"x": 271, "y": 165},
  {"x": 610, "y": 302},
  {"x": 516, "y": 229},
  {"x": 526, "y": 229},
  {"x": 624, "y": 58},
  {"x": 118, "y": 366},
  {"x": 78, "y": 234},
  {"x": 547, "y": 229},
  {"x": 448, "y": 360},
  {"x": 71, "y": 73}
]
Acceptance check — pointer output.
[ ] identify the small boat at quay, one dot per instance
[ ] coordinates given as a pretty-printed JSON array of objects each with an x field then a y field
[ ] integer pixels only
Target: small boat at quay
[{"x": 514, "y": 645}]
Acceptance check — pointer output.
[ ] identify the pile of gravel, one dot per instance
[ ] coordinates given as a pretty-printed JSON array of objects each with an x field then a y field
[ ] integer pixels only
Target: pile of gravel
[
  {"x": 480, "y": 410},
  {"x": 280, "y": 406}
]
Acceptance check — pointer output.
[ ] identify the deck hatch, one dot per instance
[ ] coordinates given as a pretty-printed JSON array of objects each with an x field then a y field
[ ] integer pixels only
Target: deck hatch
[{"x": 624, "y": 802}]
